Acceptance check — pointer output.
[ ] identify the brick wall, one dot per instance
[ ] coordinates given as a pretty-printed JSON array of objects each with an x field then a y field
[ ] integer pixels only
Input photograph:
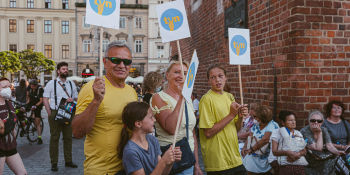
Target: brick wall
[{"x": 306, "y": 43}]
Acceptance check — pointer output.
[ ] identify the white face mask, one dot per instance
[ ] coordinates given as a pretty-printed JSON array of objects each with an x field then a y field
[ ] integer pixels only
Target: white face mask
[{"x": 6, "y": 93}]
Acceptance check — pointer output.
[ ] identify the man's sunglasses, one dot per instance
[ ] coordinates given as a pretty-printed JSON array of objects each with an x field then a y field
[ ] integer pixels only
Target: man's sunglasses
[
  {"x": 314, "y": 120},
  {"x": 116, "y": 60}
]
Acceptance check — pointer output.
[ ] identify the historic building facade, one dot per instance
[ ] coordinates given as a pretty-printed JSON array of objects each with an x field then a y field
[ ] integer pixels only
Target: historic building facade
[{"x": 47, "y": 26}]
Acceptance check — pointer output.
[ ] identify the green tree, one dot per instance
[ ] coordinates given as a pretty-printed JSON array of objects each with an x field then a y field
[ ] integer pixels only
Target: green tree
[
  {"x": 9, "y": 62},
  {"x": 33, "y": 63}
]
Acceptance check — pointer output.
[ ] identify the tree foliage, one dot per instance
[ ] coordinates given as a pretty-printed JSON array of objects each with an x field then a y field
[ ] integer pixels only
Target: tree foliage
[
  {"x": 9, "y": 62},
  {"x": 33, "y": 63}
]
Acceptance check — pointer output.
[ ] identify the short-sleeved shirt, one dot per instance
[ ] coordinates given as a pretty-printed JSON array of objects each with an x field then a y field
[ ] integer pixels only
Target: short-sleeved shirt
[
  {"x": 50, "y": 93},
  {"x": 339, "y": 134},
  {"x": 163, "y": 136},
  {"x": 35, "y": 95},
  {"x": 101, "y": 142},
  {"x": 259, "y": 133},
  {"x": 136, "y": 158},
  {"x": 7, "y": 142},
  {"x": 220, "y": 152},
  {"x": 21, "y": 94}
]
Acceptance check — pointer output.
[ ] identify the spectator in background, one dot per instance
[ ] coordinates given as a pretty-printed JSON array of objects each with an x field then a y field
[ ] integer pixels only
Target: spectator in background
[
  {"x": 338, "y": 128},
  {"x": 21, "y": 91},
  {"x": 319, "y": 146},
  {"x": 152, "y": 83},
  {"x": 256, "y": 157},
  {"x": 289, "y": 146}
]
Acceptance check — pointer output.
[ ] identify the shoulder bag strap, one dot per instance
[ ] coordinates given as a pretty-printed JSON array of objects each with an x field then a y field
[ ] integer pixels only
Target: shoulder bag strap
[
  {"x": 55, "y": 93},
  {"x": 64, "y": 89},
  {"x": 71, "y": 88},
  {"x": 186, "y": 112}
]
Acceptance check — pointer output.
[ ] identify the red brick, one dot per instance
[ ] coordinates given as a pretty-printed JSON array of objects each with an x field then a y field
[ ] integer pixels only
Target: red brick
[
  {"x": 330, "y": 33},
  {"x": 314, "y": 77},
  {"x": 340, "y": 40},
  {"x": 325, "y": 41},
  {"x": 340, "y": 63},
  {"x": 329, "y": 26},
  {"x": 314, "y": 18},
  {"x": 327, "y": 11},
  {"x": 339, "y": 92},
  {"x": 300, "y": 10},
  {"x": 313, "y": 106},
  {"x": 313, "y": 33}
]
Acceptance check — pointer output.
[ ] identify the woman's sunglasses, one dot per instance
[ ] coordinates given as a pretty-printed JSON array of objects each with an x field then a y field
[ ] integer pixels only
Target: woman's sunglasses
[
  {"x": 116, "y": 60},
  {"x": 314, "y": 121}
]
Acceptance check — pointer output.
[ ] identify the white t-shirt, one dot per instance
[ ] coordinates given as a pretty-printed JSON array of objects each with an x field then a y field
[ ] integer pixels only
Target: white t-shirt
[{"x": 50, "y": 93}]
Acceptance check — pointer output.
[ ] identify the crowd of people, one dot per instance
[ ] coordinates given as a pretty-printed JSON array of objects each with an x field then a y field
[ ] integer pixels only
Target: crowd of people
[{"x": 126, "y": 136}]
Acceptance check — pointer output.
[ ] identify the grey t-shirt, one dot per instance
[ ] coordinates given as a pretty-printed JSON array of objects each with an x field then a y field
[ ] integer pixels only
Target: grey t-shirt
[
  {"x": 338, "y": 132},
  {"x": 136, "y": 158}
]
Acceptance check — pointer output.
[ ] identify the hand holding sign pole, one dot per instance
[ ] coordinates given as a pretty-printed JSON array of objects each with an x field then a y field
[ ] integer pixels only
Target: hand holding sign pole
[
  {"x": 239, "y": 48},
  {"x": 173, "y": 26}
]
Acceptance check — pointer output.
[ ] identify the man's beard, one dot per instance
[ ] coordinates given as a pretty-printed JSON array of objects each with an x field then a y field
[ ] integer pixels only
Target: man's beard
[{"x": 64, "y": 75}]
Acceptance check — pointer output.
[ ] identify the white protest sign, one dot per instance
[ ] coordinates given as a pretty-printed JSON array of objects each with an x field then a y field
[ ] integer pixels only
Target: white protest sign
[
  {"x": 172, "y": 21},
  {"x": 190, "y": 77},
  {"x": 239, "y": 46},
  {"x": 105, "y": 13}
]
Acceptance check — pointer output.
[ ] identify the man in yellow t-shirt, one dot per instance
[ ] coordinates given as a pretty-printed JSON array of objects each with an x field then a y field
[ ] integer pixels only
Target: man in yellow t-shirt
[
  {"x": 99, "y": 111},
  {"x": 220, "y": 118}
]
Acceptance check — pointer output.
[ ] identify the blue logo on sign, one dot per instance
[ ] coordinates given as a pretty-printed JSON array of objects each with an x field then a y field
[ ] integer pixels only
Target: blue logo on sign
[
  {"x": 103, "y": 7},
  {"x": 171, "y": 19},
  {"x": 239, "y": 45},
  {"x": 190, "y": 75}
]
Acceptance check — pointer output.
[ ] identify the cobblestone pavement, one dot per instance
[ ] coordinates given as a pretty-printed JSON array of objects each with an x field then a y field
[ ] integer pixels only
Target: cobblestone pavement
[{"x": 36, "y": 157}]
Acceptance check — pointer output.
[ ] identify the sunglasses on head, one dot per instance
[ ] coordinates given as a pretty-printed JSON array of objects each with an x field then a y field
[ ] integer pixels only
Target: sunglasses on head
[
  {"x": 314, "y": 120},
  {"x": 116, "y": 60}
]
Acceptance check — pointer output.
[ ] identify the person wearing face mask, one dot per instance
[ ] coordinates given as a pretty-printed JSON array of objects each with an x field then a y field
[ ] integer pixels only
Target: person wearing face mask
[
  {"x": 54, "y": 91},
  {"x": 151, "y": 84},
  {"x": 8, "y": 144}
]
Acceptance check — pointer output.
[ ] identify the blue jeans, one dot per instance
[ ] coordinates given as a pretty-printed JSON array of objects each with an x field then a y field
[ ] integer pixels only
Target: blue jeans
[{"x": 188, "y": 171}]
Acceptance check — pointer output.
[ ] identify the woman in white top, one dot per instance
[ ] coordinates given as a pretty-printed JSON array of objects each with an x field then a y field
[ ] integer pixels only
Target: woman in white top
[
  {"x": 289, "y": 146},
  {"x": 166, "y": 106}
]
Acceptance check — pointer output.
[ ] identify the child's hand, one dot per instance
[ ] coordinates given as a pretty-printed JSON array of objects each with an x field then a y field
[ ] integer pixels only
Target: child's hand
[
  {"x": 168, "y": 156},
  {"x": 177, "y": 153}
]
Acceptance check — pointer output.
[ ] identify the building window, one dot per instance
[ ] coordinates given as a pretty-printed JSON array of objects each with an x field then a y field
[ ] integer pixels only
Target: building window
[
  {"x": 48, "y": 51},
  {"x": 30, "y": 3},
  {"x": 122, "y": 1},
  {"x": 13, "y": 47},
  {"x": 48, "y": 26},
  {"x": 12, "y": 25},
  {"x": 160, "y": 51},
  {"x": 122, "y": 22},
  {"x": 138, "y": 46},
  {"x": 30, "y": 26},
  {"x": 104, "y": 45},
  {"x": 65, "y": 51},
  {"x": 160, "y": 2},
  {"x": 65, "y": 27},
  {"x": 65, "y": 4},
  {"x": 12, "y": 3},
  {"x": 87, "y": 46},
  {"x": 84, "y": 23},
  {"x": 47, "y": 4},
  {"x": 30, "y": 46},
  {"x": 138, "y": 22}
]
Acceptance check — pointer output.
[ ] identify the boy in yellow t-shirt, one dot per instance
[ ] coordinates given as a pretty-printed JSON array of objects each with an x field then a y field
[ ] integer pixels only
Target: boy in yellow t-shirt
[{"x": 220, "y": 119}]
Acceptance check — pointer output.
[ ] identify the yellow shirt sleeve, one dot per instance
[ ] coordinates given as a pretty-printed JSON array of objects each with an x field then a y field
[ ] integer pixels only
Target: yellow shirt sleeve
[
  {"x": 84, "y": 98},
  {"x": 206, "y": 115}
]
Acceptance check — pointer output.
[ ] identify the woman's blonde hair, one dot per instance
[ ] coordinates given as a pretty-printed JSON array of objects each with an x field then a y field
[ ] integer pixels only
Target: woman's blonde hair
[{"x": 172, "y": 63}]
